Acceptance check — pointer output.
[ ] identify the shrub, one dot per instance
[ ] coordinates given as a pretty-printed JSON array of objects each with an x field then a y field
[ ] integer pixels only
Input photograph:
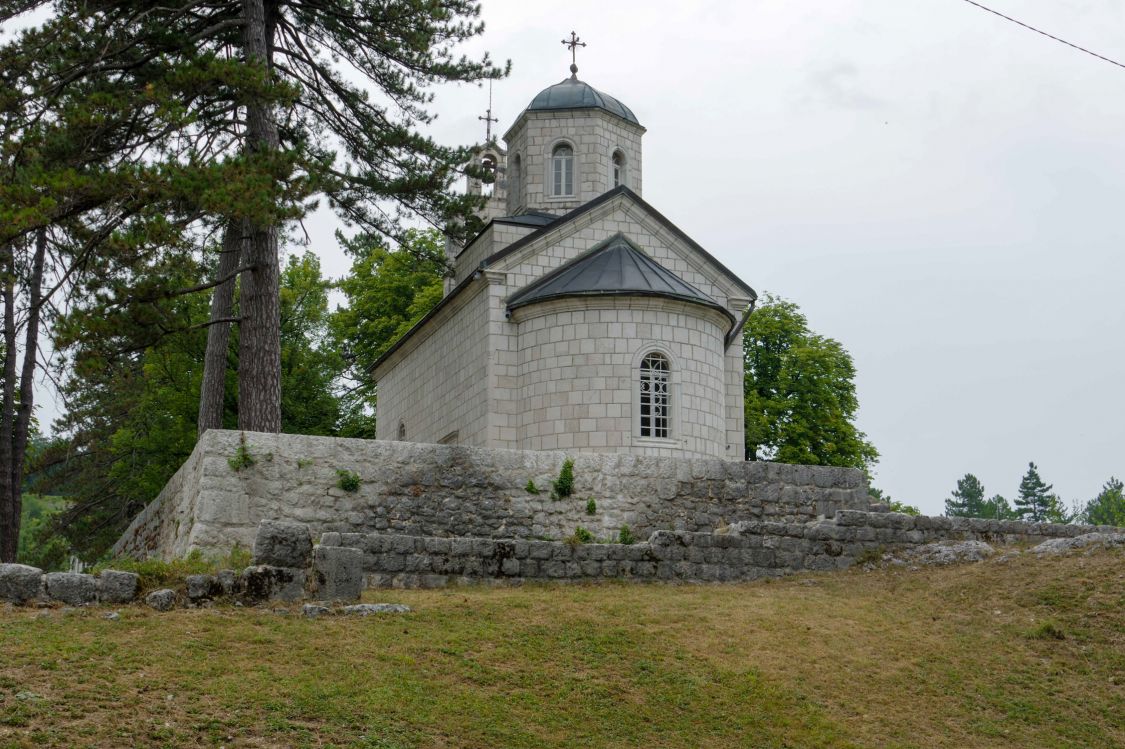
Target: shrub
[
  {"x": 591, "y": 506},
  {"x": 1047, "y": 630},
  {"x": 581, "y": 536},
  {"x": 531, "y": 488},
  {"x": 242, "y": 457},
  {"x": 347, "y": 480},
  {"x": 563, "y": 486},
  {"x": 625, "y": 536}
]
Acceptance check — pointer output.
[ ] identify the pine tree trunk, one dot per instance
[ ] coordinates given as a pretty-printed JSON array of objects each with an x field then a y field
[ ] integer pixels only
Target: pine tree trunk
[
  {"x": 259, "y": 350},
  {"x": 22, "y": 429},
  {"x": 8, "y": 522},
  {"x": 212, "y": 391}
]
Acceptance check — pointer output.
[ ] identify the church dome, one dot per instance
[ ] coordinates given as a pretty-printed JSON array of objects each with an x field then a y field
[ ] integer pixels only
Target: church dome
[{"x": 575, "y": 94}]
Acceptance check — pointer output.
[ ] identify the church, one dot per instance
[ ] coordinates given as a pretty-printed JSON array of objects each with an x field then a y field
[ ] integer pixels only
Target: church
[{"x": 579, "y": 318}]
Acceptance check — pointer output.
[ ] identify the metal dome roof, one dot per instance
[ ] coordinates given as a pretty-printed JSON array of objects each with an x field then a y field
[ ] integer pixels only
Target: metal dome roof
[
  {"x": 617, "y": 268},
  {"x": 572, "y": 93}
]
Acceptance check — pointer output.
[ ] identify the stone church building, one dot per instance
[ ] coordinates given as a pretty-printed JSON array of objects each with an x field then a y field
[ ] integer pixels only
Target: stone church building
[{"x": 579, "y": 318}]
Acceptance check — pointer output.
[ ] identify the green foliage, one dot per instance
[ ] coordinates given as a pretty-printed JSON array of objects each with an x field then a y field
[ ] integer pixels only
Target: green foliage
[
  {"x": 531, "y": 488},
  {"x": 563, "y": 486},
  {"x": 1108, "y": 508},
  {"x": 800, "y": 392},
  {"x": 157, "y": 573},
  {"x": 1047, "y": 630},
  {"x": 39, "y": 545},
  {"x": 998, "y": 508},
  {"x": 894, "y": 505},
  {"x": 388, "y": 291},
  {"x": 625, "y": 536},
  {"x": 581, "y": 536},
  {"x": 242, "y": 457},
  {"x": 349, "y": 481},
  {"x": 1036, "y": 502},
  {"x": 591, "y": 506},
  {"x": 967, "y": 499}
]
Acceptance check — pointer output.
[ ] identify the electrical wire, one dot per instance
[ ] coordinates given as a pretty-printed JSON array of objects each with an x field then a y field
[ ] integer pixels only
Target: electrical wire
[{"x": 1044, "y": 33}]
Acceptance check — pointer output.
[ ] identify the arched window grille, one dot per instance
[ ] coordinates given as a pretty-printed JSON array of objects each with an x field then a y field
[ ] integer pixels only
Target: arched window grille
[
  {"x": 402, "y": 431},
  {"x": 655, "y": 397},
  {"x": 618, "y": 168},
  {"x": 562, "y": 170}
]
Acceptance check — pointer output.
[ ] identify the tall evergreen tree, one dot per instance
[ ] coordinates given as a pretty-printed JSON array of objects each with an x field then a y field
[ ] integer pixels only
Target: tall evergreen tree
[
  {"x": 967, "y": 499},
  {"x": 1035, "y": 501},
  {"x": 1108, "y": 508}
]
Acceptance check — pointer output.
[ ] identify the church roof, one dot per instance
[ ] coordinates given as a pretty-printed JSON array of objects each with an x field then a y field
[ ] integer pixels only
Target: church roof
[
  {"x": 614, "y": 268},
  {"x": 572, "y": 93},
  {"x": 530, "y": 218}
]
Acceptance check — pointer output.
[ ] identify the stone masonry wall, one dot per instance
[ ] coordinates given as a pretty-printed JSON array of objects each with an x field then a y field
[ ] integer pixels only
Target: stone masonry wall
[
  {"x": 748, "y": 552},
  {"x": 445, "y": 491}
]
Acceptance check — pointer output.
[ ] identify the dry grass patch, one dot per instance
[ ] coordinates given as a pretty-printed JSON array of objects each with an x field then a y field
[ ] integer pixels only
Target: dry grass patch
[{"x": 935, "y": 658}]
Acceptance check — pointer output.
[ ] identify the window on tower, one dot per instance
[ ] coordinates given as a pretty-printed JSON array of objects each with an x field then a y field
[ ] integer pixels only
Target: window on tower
[
  {"x": 562, "y": 171},
  {"x": 618, "y": 168}
]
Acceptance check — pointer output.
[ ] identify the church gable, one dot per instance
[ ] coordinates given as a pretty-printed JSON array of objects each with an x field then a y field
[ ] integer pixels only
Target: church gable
[{"x": 618, "y": 212}]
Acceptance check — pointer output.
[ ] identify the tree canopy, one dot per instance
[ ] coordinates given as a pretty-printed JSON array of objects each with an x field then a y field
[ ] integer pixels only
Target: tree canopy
[{"x": 800, "y": 394}]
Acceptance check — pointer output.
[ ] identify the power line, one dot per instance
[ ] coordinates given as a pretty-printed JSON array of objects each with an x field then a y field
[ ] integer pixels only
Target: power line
[{"x": 1044, "y": 33}]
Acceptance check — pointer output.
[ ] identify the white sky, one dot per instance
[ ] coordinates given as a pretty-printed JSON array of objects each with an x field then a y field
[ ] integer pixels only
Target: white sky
[{"x": 934, "y": 186}]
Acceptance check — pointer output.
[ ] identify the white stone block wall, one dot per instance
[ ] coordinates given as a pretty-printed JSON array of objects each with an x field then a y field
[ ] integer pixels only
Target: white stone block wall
[
  {"x": 454, "y": 490},
  {"x": 435, "y": 384},
  {"x": 579, "y": 375},
  {"x": 493, "y": 239},
  {"x": 593, "y": 134}
]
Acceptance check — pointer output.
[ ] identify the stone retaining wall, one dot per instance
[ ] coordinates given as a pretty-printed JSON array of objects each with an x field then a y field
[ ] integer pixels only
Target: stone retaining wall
[
  {"x": 454, "y": 491},
  {"x": 748, "y": 551}
]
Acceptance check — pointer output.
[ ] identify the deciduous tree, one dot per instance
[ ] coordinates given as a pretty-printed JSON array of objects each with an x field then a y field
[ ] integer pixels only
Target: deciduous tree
[{"x": 800, "y": 392}]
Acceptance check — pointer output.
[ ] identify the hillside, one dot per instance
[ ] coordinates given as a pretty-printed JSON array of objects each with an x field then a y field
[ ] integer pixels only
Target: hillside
[{"x": 1028, "y": 653}]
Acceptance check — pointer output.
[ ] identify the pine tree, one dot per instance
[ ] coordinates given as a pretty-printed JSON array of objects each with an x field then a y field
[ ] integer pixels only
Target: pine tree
[
  {"x": 1108, "y": 508},
  {"x": 998, "y": 508},
  {"x": 1035, "y": 501},
  {"x": 967, "y": 500}
]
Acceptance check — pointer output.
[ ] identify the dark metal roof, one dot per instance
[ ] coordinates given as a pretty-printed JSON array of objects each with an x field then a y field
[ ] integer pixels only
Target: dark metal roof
[
  {"x": 531, "y": 218},
  {"x": 605, "y": 197},
  {"x": 575, "y": 94},
  {"x": 614, "y": 268},
  {"x": 574, "y": 214}
]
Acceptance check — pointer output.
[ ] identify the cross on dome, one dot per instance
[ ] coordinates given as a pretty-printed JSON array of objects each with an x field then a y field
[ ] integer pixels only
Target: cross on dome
[{"x": 573, "y": 43}]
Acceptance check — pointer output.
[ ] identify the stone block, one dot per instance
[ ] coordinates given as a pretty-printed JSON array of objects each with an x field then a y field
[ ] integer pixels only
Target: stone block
[
  {"x": 228, "y": 582},
  {"x": 20, "y": 583},
  {"x": 118, "y": 587},
  {"x": 338, "y": 573},
  {"x": 265, "y": 582},
  {"x": 71, "y": 588},
  {"x": 161, "y": 600},
  {"x": 282, "y": 544},
  {"x": 203, "y": 588}
]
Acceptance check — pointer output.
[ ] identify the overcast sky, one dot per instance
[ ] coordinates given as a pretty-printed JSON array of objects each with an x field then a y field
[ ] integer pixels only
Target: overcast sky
[{"x": 937, "y": 188}]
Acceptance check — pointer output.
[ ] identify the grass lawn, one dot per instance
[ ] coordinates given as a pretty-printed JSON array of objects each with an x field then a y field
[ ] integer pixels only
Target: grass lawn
[{"x": 1025, "y": 654}]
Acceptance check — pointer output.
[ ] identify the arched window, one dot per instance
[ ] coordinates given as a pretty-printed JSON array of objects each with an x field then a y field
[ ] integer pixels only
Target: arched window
[
  {"x": 514, "y": 180},
  {"x": 402, "y": 431},
  {"x": 655, "y": 401},
  {"x": 618, "y": 168},
  {"x": 562, "y": 170}
]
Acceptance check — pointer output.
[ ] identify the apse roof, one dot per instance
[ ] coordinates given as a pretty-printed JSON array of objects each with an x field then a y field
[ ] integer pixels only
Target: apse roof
[{"x": 615, "y": 268}]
